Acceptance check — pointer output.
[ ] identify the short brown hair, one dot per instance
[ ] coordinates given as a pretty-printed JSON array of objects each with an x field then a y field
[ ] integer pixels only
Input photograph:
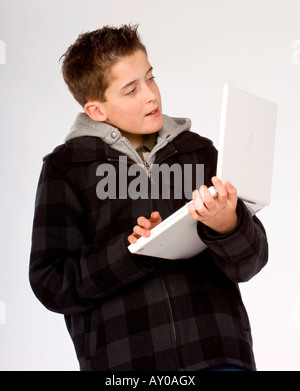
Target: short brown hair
[{"x": 86, "y": 63}]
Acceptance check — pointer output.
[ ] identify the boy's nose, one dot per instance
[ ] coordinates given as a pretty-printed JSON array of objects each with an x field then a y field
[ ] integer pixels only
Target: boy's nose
[{"x": 149, "y": 95}]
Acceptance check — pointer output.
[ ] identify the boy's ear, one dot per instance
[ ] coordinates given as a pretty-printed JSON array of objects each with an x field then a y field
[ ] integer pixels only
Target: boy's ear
[{"x": 95, "y": 111}]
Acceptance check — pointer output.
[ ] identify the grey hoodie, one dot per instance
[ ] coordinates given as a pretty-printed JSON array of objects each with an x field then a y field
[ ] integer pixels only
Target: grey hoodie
[{"x": 85, "y": 126}]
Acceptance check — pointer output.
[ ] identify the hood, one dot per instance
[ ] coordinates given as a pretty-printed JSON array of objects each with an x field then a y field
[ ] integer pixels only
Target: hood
[{"x": 85, "y": 126}]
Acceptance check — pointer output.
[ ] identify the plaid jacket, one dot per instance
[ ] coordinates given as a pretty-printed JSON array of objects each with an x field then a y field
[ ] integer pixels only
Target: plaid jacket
[{"x": 132, "y": 312}]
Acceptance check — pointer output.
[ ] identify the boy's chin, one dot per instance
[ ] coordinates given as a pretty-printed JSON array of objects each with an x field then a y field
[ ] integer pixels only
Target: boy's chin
[{"x": 156, "y": 126}]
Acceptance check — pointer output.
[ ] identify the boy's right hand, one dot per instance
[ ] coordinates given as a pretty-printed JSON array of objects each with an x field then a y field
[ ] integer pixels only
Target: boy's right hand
[{"x": 144, "y": 226}]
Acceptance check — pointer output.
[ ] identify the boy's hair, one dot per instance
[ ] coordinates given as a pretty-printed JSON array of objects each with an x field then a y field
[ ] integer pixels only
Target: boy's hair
[{"x": 86, "y": 64}]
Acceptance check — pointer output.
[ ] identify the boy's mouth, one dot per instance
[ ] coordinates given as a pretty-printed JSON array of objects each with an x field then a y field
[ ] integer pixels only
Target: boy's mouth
[{"x": 153, "y": 112}]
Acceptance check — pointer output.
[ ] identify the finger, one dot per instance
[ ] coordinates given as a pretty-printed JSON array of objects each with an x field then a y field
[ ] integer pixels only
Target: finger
[
  {"x": 132, "y": 239},
  {"x": 155, "y": 218},
  {"x": 195, "y": 215},
  {"x": 148, "y": 224},
  {"x": 144, "y": 226},
  {"x": 140, "y": 231},
  {"x": 143, "y": 222},
  {"x": 231, "y": 193},
  {"x": 207, "y": 198},
  {"x": 220, "y": 189},
  {"x": 198, "y": 202}
]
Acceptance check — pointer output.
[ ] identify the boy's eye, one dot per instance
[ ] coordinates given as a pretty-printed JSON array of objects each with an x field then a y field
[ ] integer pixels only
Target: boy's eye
[{"x": 132, "y": 91}]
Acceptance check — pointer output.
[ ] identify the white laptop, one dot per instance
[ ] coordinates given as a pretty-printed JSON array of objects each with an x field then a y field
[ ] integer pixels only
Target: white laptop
[{"x": 245, "y": 158}]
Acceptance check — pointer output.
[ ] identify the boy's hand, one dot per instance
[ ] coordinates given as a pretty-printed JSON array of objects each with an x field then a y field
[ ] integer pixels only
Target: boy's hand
[
  {"x": 144, "y": 226},
  {"x": 217, "y": 213}
]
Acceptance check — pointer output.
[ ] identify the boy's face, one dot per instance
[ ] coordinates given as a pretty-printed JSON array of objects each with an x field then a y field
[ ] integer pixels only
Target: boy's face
[{"x": 133, "y": 102}]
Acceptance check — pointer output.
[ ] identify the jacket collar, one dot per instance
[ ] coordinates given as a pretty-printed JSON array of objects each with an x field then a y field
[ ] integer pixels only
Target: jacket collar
[
  {"x": 89, "y": 141},
  {"x": 88, "y": 149}
]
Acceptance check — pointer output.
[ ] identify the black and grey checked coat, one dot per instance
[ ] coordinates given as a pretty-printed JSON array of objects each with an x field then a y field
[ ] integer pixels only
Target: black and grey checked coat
[{"x": 131, "y": 312}]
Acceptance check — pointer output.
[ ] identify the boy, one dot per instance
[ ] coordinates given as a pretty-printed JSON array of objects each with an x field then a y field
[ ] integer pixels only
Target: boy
[{"x": 125, "y": 311}]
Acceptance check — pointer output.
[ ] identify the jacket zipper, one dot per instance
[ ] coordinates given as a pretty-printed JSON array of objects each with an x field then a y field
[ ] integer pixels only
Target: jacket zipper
[
  {"x": 172, "y": 318},
  {"x": 173, "y": 328},
  {"x": 146, "y": 164},
  {"x": 166, "y": 157},
  {"x": 148, "y": 167},
  {"x": 148, "y": 171}
]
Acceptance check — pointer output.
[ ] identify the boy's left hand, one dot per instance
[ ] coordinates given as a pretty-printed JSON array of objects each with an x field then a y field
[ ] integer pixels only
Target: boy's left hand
[
  {"x": 143, "y": 227},
  {"x": 217, "y": 213}
]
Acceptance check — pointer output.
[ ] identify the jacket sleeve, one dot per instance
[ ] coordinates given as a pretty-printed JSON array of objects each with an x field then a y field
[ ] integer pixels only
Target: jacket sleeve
[
  {"x": 244, "y": 252},
  {"x": 67, "y": 273}
]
